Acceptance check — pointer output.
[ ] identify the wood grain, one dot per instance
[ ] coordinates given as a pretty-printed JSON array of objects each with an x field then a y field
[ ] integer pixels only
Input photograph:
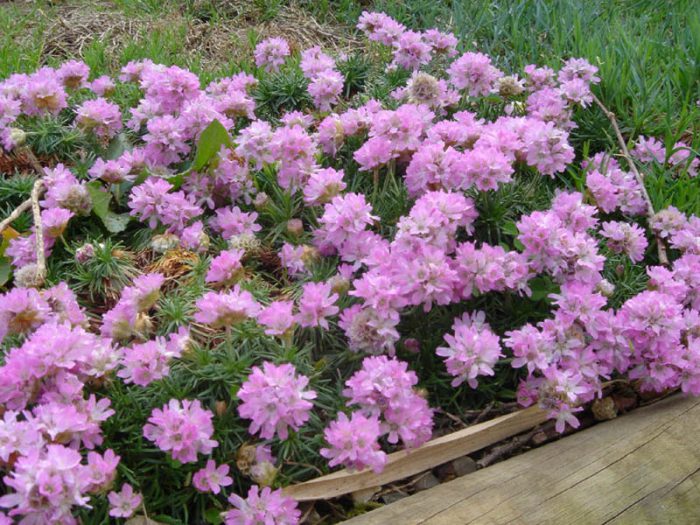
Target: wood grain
[
  {"x": 409, "y": 462},
  {"x": 640, "y": 468}
]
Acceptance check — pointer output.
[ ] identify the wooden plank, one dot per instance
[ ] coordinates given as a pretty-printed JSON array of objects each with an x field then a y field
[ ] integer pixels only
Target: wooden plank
[
  {"x": 643, "y": 467},
  {"x": 409, "y": 462}
]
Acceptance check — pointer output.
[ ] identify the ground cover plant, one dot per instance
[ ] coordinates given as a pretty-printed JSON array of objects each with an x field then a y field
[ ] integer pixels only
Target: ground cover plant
[{"x": 217, "y": 285}]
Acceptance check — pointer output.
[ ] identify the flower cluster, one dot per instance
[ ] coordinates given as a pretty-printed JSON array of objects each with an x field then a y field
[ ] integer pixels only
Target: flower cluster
[
  {"x": 472, "y": 351},
  {"x": 384, "y": 388},
  {"x": 129, "y": 315},
  {"x": 275, "y": 399},
  {"x": 182, "y": 428}
]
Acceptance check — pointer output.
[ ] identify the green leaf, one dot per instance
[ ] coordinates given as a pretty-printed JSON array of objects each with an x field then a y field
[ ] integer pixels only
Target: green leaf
[
  {"x": 542, "y": 287},
  {"x": 210, "y": 142},
  {"x": 100, "y": 199},
  {"x": 510, "y": 228},
  {"x": 116, "y": 222},
  {"x": 118, "y": 145},
  {"x": 5, "y": 270},
  {"x": 213, "y": 516},
  {"x": 176, "y": 180},
  {"x": 142, "y": 520}
]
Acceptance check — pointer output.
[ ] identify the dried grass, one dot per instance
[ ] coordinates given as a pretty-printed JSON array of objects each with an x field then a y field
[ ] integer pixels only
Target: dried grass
[{"x": 73, "y": 26}]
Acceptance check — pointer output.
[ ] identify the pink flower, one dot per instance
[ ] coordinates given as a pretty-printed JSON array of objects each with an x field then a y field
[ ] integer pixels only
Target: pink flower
[
  {"x": 316, "y": 303},
  {"x": 194, "y": 237},
  {"x": 254, "y": 143},
  {"x": 472, "y": 351},
  {"x": 147, "y": 199},
  {"x": 345, "y": 216},
  {"x": 548, "y": 148},
  {"x": 100, "y": 117},
  {"x": 165, "y": 141},
  {"x": 578, "y": 68},
  {"x": 102, "y": 469},
  {"x": 232, "y": 222},
  {"x": 271, "y": 53},
  {"x": 54, "y": 472},
  {"x": 147, "y": 362},
  {"x": 275, "y": 399},
  {"x": 442, "y": 43},
  {"x": 385, "y": 387},
  {"x": 294, "y": 259},
  {"x": 226, "y": 268},
  {"x": 73, "y": 74},
  {"x": 226, "y": 308},
  {"x": 625, "y": 238},
  {"x": 277, "y": 318},
  {"x": 354, "y": 443},
  {"x": 530, "y": 347},
  {"x": 373, "y": 154},
  {"x": 102, "y": 86},
  {"x": 43, "y": 93},
  {"x": 314, "y": 61},
  {"x": 380, "y": 27},
  {"x": 211, "y": 478},
  {"x": 55, "y": 221},
  {"x": 474, "y": 73},
  {"x": 369, "y": 330},
  {"x": 411, "y": 51},
  {"x": 124, "y": 503},
  {"x": 21, "y": 311},
  {"x": 323, "y": 185},
  {"x": 182, "y": 428},
  {"x": 110, "y": 171},
  {"x": 262, "y": 507},
  {"x": 325, "y": 89}
]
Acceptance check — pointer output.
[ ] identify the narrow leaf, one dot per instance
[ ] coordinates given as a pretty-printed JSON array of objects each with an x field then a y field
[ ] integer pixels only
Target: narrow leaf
[{"x": 210, "y": 142}]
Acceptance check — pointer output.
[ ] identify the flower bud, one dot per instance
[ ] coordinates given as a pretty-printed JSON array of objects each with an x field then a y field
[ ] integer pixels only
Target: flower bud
[
  {"x": 295, "y": 227},
  {"x": 339, "y": 284},
  {"x": 164, "y": 242},
  {"x": 28, "y": 276},
  {"x": 85, "y": 253},
  {"x": 17, "y": 136},
  {"x": 261, "y": 201},
  {"x": 220, "y": 408}
]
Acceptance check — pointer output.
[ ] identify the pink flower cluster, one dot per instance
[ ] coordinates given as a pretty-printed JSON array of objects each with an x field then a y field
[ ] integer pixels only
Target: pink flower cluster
[
  {"x": 126, "y": 318},
  {"x": 385, "y": 388},
  {"x": 271, "y": 53},
  {"x": 651, "y": 150},
  {"x": 182, "y": 428},
  {"x": 262, "y": 506},
  {"x": 275, "y": 399},
  {"x": 472, "y": 351},
  {"x": 411, "y": 49}
]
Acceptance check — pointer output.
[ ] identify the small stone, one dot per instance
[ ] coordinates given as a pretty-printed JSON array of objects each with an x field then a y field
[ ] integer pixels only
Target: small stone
[
  {"x": 539, "y": 438},
  {"x": 393, "y": 497},
  {"x": 364, "y": 495},
  {"x": 604, "y": 409},
  {"x": 426, "y": 481},
  {"x": 464, "y": 465}
]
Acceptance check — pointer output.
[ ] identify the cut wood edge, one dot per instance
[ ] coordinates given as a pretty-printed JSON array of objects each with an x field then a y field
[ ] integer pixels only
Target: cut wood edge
[{"x": 406, "y": 463}]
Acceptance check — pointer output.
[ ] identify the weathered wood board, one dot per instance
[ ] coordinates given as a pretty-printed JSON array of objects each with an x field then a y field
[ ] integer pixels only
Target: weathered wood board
[
  {"x": 405, "y": 463},
  {"x": 641, "y": 468}
]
